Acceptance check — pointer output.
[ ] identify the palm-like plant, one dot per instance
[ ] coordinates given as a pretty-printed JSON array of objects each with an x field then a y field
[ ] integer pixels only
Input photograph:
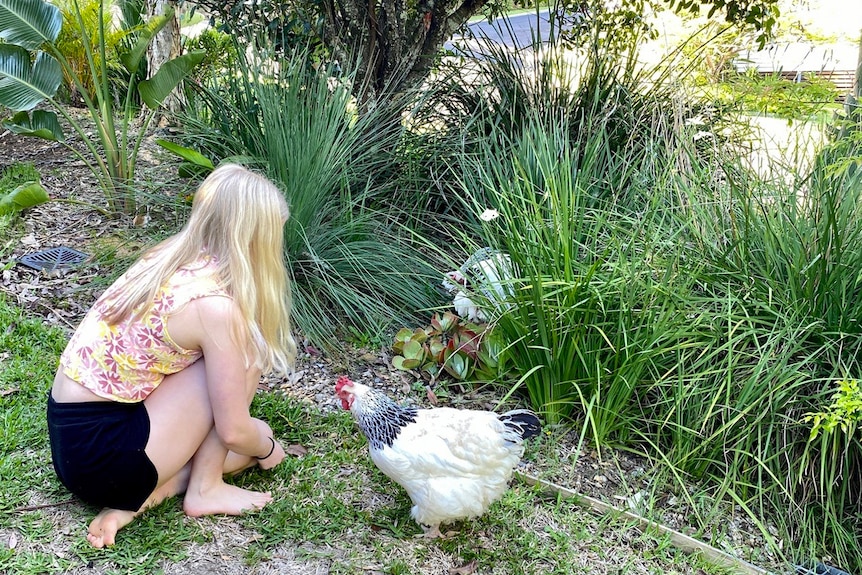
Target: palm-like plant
[{"x": 32, "y": 66}]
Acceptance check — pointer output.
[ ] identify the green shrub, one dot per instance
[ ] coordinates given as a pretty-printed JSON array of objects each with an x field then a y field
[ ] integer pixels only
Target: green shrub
[
  {"x": 776, "y": 95},
  {"x": 70, "y": 42},
  {"x": 669, "y": 300},
  {"x": 220, "y": 54}
]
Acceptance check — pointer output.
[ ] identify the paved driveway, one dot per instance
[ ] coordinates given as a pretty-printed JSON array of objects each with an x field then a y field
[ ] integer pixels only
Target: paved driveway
[{"x": 515, "y": 31}]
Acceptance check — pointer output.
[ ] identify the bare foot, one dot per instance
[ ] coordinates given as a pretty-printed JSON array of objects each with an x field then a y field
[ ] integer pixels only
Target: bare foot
[
  {"x": 103, "y": 528},
  {"x": 223, "y": 498}
]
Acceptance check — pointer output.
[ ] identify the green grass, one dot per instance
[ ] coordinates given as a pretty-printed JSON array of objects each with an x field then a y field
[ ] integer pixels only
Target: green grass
[{"x": 332, "y": 503}]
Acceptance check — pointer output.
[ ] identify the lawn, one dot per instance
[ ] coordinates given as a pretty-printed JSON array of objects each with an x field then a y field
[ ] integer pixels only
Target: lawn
[{"x": 333, "y": 511}]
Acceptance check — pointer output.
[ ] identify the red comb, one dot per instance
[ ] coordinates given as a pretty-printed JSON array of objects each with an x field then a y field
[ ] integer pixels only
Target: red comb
[{"x": 341, "y": 382}]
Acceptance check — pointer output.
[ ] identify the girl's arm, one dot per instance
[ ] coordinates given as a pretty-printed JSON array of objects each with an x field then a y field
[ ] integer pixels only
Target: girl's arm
[{"x": 206, "y": 324}]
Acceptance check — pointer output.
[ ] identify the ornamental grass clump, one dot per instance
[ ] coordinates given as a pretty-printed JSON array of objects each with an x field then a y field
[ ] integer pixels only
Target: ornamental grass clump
[{"x": 351, "y": 263}]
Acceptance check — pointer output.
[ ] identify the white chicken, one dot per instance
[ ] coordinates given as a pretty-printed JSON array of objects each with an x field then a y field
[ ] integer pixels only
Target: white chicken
[{"x": 453, "y": 463}]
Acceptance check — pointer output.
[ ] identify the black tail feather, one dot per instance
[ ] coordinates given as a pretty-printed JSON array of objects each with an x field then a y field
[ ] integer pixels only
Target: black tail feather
[{"x": 524, "y": 421}]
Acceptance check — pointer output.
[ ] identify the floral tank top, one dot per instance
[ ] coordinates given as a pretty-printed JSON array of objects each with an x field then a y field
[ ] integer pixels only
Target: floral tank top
[{"x": 127, "y": 361}]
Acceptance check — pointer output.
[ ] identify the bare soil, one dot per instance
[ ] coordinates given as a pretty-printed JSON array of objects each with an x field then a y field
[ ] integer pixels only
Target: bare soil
[{"x": 61, "y": 299}]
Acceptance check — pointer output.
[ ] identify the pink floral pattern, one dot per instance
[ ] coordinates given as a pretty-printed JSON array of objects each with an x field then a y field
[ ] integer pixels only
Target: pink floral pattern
[{"x": 126, "y": 362}]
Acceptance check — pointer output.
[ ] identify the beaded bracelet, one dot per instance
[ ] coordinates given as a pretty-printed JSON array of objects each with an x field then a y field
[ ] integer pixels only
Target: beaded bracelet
[{"x": 270, "y": 451}]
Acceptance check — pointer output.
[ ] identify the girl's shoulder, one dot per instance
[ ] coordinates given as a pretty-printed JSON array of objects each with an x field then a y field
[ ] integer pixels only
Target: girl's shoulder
[{"x": 191, "y": 282}]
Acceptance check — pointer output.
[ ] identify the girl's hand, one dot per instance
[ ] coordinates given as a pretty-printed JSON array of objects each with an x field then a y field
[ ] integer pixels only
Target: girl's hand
[{"x": 274, "y": 458}]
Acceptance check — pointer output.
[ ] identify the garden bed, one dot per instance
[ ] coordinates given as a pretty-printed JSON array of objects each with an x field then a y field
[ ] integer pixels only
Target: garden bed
[{"x": 61, "y": 298}]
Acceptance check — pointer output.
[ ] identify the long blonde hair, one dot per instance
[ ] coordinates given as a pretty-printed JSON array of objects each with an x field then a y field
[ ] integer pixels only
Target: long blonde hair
[{"x": 238, "y": 217}]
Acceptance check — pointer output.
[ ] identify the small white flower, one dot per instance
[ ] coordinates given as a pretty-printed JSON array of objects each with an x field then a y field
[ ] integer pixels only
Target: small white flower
[{"x": 489, "y": 215}]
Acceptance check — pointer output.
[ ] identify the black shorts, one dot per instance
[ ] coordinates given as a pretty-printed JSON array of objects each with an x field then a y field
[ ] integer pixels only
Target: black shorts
[{"x": 97, "y": 448}]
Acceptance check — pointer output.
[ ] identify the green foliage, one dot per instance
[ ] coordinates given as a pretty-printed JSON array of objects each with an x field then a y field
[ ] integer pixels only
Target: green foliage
[
  {"x": 463, "y": 350},
  {"x": 194, "y": 163},
  {"x": 844, "y": 413},
  {"x": 23, "y": 197},
  {"x": 775, "y": 95},
  {"x": 24, "y": 379},
  {"x": 220, "y": 54},
  {"x": 666, "y": 298},
  {"x": 81, "y": 60},
  {"x": 20, "y": 189},
  {"x": 16, "y": 174},
  {"x": 111, "y": 152},
  {"x": 285, "y": 26},
  {"x": 615, "y": 28},
  {"x": 587, "y": 321},
  {"x": 758, "y": 14},
  {"x": 349, "y": 262}
]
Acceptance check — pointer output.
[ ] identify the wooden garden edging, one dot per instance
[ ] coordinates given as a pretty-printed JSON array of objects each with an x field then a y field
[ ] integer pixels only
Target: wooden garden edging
[{"x": 680, "y": 540}]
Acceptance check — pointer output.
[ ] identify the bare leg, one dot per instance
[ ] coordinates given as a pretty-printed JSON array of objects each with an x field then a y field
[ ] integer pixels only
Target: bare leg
[
  {"x": 188, "y": 456},
  {"x": 208, "y": 493},
  {"x": 104, "y": 527}
]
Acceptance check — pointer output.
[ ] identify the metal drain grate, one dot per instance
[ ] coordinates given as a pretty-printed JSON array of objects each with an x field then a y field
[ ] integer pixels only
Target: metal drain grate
[{"x": 53, "y": 258}]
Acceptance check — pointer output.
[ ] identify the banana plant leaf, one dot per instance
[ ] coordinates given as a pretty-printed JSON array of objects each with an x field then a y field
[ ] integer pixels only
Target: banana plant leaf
[
  {"x": 132, "y": 59},
  {"x": 43, "y": 124},
  {"x": 187, "y": 154},
  {"x": 22, "y": 87},
  {"x": 23, "y": 197},
  {"x": 154, "y": 91},
  {"x": 29, "y": 23}
]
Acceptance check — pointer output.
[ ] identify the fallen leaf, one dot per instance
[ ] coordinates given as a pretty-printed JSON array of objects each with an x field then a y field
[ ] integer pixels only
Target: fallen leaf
[
  {"x": 465, "y": 569},
  {"x": 432, "y": 397},
  {"x": 9, "y": 391},
  {"x": 13, "y": 541},
  {"x": 295, "y": 449}
]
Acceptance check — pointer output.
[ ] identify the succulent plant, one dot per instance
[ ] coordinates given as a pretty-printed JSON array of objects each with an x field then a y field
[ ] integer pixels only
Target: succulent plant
[{"x": 449, "y": 345}]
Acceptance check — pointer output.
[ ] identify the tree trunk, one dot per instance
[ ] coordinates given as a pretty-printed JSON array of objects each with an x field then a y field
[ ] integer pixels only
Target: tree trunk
[
  {"x": 394, "y": 43},
  {"x": 165, "y": 45}
]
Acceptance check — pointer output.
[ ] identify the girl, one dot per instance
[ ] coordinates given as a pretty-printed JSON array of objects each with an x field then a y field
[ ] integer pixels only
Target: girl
[{"x": 152, "y": 395}]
